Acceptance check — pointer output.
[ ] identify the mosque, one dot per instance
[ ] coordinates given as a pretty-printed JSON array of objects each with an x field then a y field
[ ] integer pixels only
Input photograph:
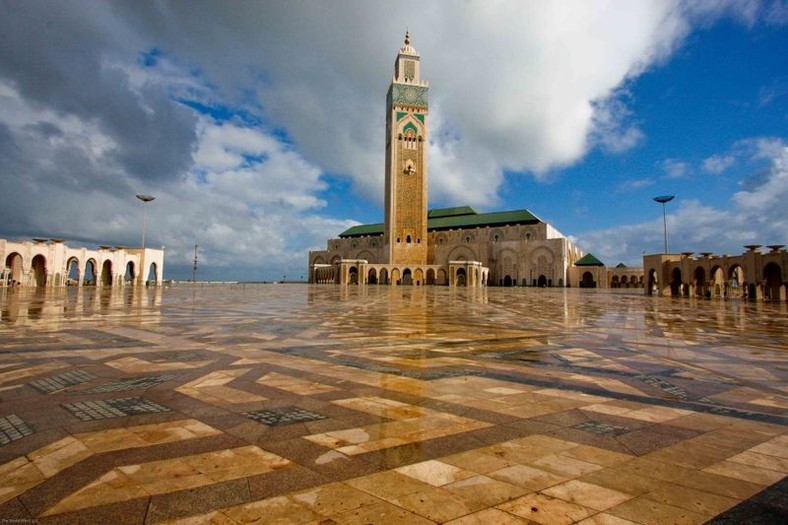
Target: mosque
[{"x": 450, "y": 246}]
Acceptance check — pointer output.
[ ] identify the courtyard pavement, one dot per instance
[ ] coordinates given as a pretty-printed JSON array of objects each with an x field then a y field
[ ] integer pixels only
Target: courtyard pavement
[{"x": 324, "y": 404}]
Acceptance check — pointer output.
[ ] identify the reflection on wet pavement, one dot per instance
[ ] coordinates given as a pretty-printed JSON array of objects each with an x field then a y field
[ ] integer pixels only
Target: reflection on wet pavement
[{"x": 327, "y": 404}]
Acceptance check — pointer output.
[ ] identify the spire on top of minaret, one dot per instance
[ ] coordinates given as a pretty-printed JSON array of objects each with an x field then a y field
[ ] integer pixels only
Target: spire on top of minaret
[
  {"x": 408, "y": 49},
  {"x": 407, "y": 37}
]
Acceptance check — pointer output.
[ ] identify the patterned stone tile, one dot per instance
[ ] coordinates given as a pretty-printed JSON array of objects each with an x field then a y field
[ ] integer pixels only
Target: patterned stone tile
[
  {"x": 13, "y": 428},
  {"x": 108, "y": 408},
  {"x": 133, "y": 383},
  {"x": 283, "y": 416},
  {"x": 50, "y": 385}
]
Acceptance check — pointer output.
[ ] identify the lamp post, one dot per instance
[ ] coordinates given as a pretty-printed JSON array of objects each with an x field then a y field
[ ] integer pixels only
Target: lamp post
[
  {"x": 145, "y": 200},
  {"x": 662, "y": 199}
]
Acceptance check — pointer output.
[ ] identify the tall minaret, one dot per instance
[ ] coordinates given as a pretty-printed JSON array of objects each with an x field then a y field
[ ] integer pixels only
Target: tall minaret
[{"x": 405, "y": 230}]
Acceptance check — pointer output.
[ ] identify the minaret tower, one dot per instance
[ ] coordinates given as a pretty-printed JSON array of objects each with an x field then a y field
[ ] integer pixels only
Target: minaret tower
[{"x": 405, "y": 229}]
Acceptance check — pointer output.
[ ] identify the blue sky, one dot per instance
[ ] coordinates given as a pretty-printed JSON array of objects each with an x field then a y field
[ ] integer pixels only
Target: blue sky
[{"x": 259, "y": 127}]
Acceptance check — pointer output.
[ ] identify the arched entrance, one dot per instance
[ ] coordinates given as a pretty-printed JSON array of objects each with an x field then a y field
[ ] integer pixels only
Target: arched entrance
[
  {"x": 372, "y": 276},
  {"x": 130, "y": 274},
  {"x": 736, "y": 281},
  {"x": 14, "y": 263},
  {"x": 72, "y": 269},
  {"x": 587, "y": 281},
  {"x": 407, "y": 277},
  {"x": 675, "y": 282},
  {"x": 717, "y": 282},
  {"x": 541, "y": 282},
  {"x": 106, "y": 273},
  {"x": 462, "y": 279},
  {"x": 353, "y": 275},
  {"x": 39, "y": 268},
  {"x": 418, "y": 277},
  {"x": 153, "y": 276},
  {"x": 772, "y": 275},
  {"x": 90, "y": 273},
  {"x": 384, "y": 276},
  {"x": 507, "y": 281},
  {"x": 652, "y": 282},
  {"x": 395, "y": 276},
  {"x": 442, "y": 277},
  {"x": 700, "y": 281},
  {"x": 430, "y": 277}
]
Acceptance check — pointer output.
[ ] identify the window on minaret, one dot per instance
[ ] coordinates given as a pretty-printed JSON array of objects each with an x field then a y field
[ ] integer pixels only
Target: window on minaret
[{"x": 410, "y": 69}]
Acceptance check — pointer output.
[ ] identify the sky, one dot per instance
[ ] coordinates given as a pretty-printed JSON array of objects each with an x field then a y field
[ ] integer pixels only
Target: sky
[{"x": 259, "y": 126}]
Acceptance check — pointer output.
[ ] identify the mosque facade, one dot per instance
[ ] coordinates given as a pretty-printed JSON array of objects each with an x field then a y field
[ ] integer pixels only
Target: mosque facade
[{"x": 451, "y": 246}]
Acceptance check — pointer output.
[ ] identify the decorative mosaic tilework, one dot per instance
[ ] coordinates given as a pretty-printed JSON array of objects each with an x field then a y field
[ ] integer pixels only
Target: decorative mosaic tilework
[
  {"x": 283, "y": 416},
  {"x": 131, "y": 384},
  {"x": 50, "y": 385},
  {"x": 602, "y": 428},
  {"x": 12, "y": 428},
  {"x": 666, "y": 387},
  {"x": 107, "y": 408}
]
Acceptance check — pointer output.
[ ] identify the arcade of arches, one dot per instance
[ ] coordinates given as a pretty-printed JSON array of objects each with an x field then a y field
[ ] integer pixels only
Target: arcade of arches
[
  {"x": 753, "y": 275},
  {"x": 50, "y": 262}
]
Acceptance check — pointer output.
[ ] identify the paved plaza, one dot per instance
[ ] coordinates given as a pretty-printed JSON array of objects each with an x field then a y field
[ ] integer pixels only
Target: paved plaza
[{"x": 324, "y": 404}]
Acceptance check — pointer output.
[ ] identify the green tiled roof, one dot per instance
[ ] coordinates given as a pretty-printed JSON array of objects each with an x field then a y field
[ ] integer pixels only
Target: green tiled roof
[
  {"x": 454, "y": 218},
  {"x": 451, "y": 212},
  {"x": 621, "y": 265},
  {"x": 589, "y": 260}
]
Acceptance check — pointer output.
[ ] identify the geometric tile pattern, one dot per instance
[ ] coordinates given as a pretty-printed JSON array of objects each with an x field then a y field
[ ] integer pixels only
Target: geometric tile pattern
[
  {"x": 130, "y": 384},
  {"x": 12, "y": 428},
  {"x": 602, "y": 428},
  {"x": 419, "y": 404},
  {"x": 283, "y": 416},
  {"x": 107, "y": 408},
  {"x": 49, "y": 385}
]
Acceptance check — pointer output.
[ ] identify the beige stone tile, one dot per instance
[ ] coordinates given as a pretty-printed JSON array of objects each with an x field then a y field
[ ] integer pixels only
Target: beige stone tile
[
  {"x": 278, "y": 510},
  {"x": 209, "y": 518},
  {"x": 334, "y": 498},
  {"x": 57, "y": 457},
  {"x": 750, "y": 473},
  {"x": 434, "y": 472},
  {"x": 623, "y": 481},
  {"x": 477, "y": 461},
  {"x": 546, "y": 510},
  {"x": 762, "y": 461},
  {"x": 528, "y": 477},
  {"x": 16, "y": 477},
  {"x": 489, "y": 517},
  {"x": 381, "y": 513},
  {"x": 657, "y": 414},
  {"x": 112, "y": 487},
  {"x": 604, "y": 518},
  {"x": 597, "y": 456},
  {"x": 112, "y": 439},
  {"x": 775, "y": 447},
  {"x": 485, "y": 491},
  {"x": 388, "y": 485},
  {"x": 437, "y": 504},
  {"x": 566, "y": 466},
  {"x": 588, "y": 495},
  {"x": 644, "y": 510},
  {"x": 695, "y": 500}
]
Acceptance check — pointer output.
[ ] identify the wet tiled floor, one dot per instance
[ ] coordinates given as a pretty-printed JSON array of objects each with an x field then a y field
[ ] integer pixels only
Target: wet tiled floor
[{"x": 322, "y": 404}]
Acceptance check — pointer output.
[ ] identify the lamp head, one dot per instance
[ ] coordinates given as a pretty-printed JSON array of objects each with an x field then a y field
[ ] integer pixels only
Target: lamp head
[
  {"x": 145, "y": 198},
  {"x": 664, "y": 198}
]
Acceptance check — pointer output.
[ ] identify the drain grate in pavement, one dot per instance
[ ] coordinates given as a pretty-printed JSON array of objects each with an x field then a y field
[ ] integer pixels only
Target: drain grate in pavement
[
  {"x": 107, "y": 408},
  {"x": 12, "y": 428},
  {"x": 283, "y": 416},
  {"x": 133, "y": 383},
  {"x": 50, "y": 385},
  {"x": 602, "y": 428}
]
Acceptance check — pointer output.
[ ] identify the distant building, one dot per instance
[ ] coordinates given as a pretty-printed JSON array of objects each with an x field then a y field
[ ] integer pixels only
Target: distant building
[
  {"x": 752, "y": 275},
  {"x": 451, "y": 246},
  {"x": 50, "y": 262}
]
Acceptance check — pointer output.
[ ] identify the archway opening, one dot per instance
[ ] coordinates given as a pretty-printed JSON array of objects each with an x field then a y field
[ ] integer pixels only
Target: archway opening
[
  {"x": 372, "y": 276},
  {"x": 384, "y": 276},
  {"x": 772, "y": 275},
  {"x": 587, "y": 281},
  {"x": 39, "y": 268},
  {"x": 14, "y": 263},
  {"x": 353, "y": 275},
  {"x": 462, "y": 279},
  {"x": 153, "y": 275},
  {"x": 106, "y": 273},
  {"x": 72, "y": 276},
  {"x": 700, "y": 281},
  {"x": 407, "y": 277},
  {"x": 507, "y": 281},
  {"x": 675, "y": 282},
  {"x": 90, "y": 273},
  {"x": 541, "y": 282},
  {"x": 430, "y": 277},
  {"x": 652, "y": 282},
  {"x": 130, "y": 274}
]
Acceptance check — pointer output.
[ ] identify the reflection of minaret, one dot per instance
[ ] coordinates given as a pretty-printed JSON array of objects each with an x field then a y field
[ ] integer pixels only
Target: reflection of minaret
[{"x": 405, "y": 234}]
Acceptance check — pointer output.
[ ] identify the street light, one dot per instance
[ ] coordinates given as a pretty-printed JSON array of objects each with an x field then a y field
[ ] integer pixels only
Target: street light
[
  {"x": 145, "y": 200},
  {"x": 662, "y": 199}
]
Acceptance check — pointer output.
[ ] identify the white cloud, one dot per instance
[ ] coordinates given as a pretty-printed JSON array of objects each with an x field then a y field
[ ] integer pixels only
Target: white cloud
[
  {"x": 718, "y": 163},
  {"x": 675, "y": 168},
  {"x": 758, "y": 214}
]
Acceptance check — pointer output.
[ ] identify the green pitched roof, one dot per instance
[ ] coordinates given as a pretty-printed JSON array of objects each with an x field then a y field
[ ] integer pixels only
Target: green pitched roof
[
  {"x": 454, "y": 218},
  {"x": 451, "y": 212},
  {"x": 589, "y": 260},
  {"x": 621, "y": 265}
]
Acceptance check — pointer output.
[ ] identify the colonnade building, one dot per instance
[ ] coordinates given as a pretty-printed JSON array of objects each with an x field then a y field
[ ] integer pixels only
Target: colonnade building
[
  {"x": 450, "y": 246},
  {"x": 50, "y": 262}
]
